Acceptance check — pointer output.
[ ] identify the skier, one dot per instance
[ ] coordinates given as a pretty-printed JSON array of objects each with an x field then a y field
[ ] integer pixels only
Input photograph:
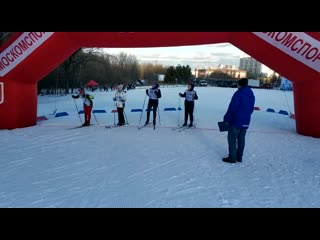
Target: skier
[
  {"x": 120, "y": 99},
  {"x": 190, "y": 95},
  {"x": 87, "y": 105},
  {"x": 154, "y": 93}
]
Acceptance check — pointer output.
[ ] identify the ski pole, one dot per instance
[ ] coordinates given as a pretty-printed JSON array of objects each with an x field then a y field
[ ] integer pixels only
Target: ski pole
[
  {"x": 194, "y": 115},
  {"x": 77, "y": 110},
  {"x": 114, "y": 116},
  {"x": 125, "y": 115},
  {"x": 114, "y": 113},
  {"x": 159, "y": 115},
  {"x": 179, "y": 111},
  {"x": 95, "y": 118},
  {"x": 142, "y": 108}
]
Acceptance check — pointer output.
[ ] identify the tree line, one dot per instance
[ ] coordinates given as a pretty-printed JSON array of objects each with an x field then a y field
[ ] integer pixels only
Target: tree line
[
  {"x": 4, "y": 36},
  {"x": 108, "y": 70}
]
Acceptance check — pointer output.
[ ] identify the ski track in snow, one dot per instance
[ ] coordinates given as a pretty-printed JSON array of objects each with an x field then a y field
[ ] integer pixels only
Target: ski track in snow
[{"x": 48, "y": 166}]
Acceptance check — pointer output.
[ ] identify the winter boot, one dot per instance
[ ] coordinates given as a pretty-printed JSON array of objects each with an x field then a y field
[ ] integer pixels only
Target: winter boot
[{"x": 228, "y": 159}]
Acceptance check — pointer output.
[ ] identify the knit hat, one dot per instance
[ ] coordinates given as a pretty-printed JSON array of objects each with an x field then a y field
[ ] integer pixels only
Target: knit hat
[
  {"x": 155, "y": 85},
  {"x": 243, "y": 82},
  {"x": 81, "y": 91},
  {"x": 120, "y": 87},
  {"x": 192, "y": 85}
]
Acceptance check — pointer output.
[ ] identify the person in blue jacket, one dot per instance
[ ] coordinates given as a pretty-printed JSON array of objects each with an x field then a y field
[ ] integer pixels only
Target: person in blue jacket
[{"x": 238, "y": 119}]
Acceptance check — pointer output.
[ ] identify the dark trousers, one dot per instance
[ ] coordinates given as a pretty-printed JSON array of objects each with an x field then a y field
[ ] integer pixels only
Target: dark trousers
[
  {"x": 236, "y": 142},
  {"x": 152, "y": 104},
  {"x": 121, "y": 116},
  {"x": 188, "y": 111}
]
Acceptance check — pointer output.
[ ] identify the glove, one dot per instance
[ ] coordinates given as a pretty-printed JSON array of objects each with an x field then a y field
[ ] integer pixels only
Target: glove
[
  {"x": 114, "y": 99},
  {"x": 180, "y": 94},
  {"x": 226, "y": 123},
  {"x": 147, "y": 92}
]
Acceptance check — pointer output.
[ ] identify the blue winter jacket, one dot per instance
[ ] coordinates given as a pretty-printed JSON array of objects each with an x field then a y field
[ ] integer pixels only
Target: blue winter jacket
[{"x": 240, "y": 108}]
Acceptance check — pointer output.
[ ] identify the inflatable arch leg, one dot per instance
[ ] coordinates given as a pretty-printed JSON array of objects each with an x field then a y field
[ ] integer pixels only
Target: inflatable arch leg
[
  {"x": 18, "y": 108},
  {"x": 307, "y": 111}
]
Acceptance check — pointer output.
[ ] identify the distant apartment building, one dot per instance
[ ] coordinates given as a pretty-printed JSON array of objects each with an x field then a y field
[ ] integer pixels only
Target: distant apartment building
[
  {"x": 202, "y": 72},
  {"x": 226, "y": 69},
  {"x": 227, "y": 66},
  {"x": 250, "y": 65}
]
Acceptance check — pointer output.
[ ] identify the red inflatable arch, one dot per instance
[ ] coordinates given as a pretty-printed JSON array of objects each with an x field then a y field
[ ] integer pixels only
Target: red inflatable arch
[{"x": 29, "y": 56}]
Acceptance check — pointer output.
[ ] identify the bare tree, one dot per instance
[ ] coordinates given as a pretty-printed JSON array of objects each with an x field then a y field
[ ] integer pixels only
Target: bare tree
[
  {"x": 125, "y": 68},
  {"x": 74, "y": 64},
  {"x": 4, "y": 36},
  {"x": 150, "y": 71}
]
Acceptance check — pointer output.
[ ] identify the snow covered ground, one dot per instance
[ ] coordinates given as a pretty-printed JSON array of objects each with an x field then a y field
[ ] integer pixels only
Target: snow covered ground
[{"x": 51, "y": 165}]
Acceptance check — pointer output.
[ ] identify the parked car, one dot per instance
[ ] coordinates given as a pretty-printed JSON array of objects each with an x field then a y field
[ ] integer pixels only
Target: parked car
[{"x": 203, "y": 83}]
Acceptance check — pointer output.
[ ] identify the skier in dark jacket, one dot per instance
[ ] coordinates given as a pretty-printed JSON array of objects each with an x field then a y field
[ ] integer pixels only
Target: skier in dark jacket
[
  {"x": 238, "y": 119},
  {"x": 190, "y": 95},
  {"x": 87, "y": 105},
  {"x": 154, "y": 94}
]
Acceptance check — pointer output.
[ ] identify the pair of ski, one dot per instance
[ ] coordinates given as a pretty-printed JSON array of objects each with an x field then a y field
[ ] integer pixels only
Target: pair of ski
[
  {"x": 154, "y": 126},
  {"x": 113, "y": 126},
  {"x": 81, "y": 126},
  {"x": 182, "y": 128}
]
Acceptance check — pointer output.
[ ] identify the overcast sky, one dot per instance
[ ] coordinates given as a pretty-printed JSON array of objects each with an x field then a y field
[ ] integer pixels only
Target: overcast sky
[{"x": 195, "y": 56}]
